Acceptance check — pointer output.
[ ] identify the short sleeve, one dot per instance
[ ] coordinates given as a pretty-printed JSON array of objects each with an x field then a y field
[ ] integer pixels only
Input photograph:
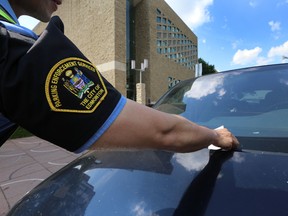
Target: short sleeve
[{"x": 54, "y": 91}]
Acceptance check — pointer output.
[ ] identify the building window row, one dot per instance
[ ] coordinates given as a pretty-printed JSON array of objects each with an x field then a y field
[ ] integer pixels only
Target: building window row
[
  {"x": 172, "y": 47},
  {"x": 172, "y": 43},
  {"x": 164, "y": 20},
  {"x": 168, "y": 28},
  {"x": 172, "y": 35},
  {"x": 184, "y": 43}
]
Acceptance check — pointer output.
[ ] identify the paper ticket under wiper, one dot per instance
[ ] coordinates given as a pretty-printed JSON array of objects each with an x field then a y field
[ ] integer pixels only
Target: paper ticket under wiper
[{"x": 213, "y": 147}]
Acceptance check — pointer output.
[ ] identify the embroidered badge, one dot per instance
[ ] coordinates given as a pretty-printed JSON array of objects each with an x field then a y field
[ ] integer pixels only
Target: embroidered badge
[{"x": 74, "y": 85}]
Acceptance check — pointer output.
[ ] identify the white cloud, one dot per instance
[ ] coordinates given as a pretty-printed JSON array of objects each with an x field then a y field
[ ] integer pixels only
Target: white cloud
[
  {"x": 243, "y": 57},
  {"x": 264, "y": 61},
  {"x": 275, "y": 26},
  {"x": 252, "y": 56},
  {"x": 253, "y": 4},
  {"x": 281, "y": 3},
  {"x": 236, "y": 44},
  {"x": 225, "y": 25},
  {"x": 281, "y": 50},
  {"x": 193, "y": 12}
]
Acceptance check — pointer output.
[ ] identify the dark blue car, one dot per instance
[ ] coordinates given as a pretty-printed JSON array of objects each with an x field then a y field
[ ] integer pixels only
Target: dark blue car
[
  {"x": 253, "y": 180},
  {"x": 7, "y": 128}
]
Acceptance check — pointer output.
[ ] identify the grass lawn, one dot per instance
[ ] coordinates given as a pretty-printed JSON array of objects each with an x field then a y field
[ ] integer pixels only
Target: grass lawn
[{"x": 20, "y": 133}]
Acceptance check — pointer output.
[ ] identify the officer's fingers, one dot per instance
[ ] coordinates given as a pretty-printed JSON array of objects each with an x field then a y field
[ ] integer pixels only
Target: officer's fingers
[{"x": 226, "y": 139}]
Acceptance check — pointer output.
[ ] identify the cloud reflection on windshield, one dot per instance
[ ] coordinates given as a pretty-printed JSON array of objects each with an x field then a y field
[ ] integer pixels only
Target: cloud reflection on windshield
[
  {"x": 140, "y": 210},
  {"x": 194, "y": 161},
  {"x": 201, "y": 89}
]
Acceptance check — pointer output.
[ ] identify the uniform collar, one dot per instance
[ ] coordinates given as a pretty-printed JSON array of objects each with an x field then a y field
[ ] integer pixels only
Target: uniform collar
[
  {"x": 15, "y": 27},
  {"x": 6, "y": 5}
]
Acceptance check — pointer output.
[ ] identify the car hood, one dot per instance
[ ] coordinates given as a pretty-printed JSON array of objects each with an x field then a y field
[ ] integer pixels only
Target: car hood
[{"x": 158, "y": 183}]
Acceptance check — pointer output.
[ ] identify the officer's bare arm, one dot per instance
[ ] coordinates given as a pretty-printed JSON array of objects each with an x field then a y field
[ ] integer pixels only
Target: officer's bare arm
[{"x": 142, "y": 127}]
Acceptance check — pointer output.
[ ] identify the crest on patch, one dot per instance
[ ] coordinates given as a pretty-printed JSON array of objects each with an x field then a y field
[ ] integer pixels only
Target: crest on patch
[{"x": 74, "y": 85}]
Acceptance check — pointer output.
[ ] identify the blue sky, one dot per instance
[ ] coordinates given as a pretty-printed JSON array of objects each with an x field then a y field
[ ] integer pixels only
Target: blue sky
[
  {"x": 238, "y": 33},
  {"x": 233, "y": 34},
  {"x": 28, "y": 21}
]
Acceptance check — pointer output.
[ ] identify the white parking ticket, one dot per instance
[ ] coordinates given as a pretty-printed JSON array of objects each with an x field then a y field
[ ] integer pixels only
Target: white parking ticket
[{"x": 213, "y": 147}]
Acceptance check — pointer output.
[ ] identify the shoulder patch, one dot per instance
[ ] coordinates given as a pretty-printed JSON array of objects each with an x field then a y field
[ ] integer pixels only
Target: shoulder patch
[{"x": 74, "y": 85}]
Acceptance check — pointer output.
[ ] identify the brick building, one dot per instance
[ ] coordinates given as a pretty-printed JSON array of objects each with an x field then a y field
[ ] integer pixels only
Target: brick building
[{"x": 111, "y": 33}]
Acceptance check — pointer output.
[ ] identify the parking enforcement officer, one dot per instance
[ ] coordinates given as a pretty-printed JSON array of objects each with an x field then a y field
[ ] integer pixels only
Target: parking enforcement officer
[{"x": 51, "y": 89}]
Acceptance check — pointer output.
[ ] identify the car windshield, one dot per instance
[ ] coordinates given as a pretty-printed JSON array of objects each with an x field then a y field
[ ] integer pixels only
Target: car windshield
[{"x": 251, "y": 102}]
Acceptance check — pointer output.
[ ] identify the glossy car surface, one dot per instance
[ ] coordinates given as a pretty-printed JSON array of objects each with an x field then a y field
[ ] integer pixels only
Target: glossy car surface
[
  {"x": 253, "y": 180},
  {"x": 7, "y": 128}
]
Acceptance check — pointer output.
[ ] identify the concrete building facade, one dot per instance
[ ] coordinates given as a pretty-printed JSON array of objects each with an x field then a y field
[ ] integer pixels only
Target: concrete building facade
[{"x": 111, "y": 33}]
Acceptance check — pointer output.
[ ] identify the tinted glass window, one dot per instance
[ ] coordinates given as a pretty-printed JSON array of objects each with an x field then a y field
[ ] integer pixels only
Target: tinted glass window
[{"x": 251, "y": 102}]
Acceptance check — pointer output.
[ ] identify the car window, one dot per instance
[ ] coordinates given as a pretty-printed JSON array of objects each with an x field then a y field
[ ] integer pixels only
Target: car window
[
  {"x": 173, "y": 101},
  {"x": 251, "y": 102},
  {"x": 256, "y": 97}
]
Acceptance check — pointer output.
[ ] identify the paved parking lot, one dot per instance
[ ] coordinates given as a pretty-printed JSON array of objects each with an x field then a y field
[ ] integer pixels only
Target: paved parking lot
[{"x": 24, "y": 163}]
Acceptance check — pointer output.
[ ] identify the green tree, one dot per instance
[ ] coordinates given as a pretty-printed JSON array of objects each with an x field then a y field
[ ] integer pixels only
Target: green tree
[{"x": 206, "y": 67}]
